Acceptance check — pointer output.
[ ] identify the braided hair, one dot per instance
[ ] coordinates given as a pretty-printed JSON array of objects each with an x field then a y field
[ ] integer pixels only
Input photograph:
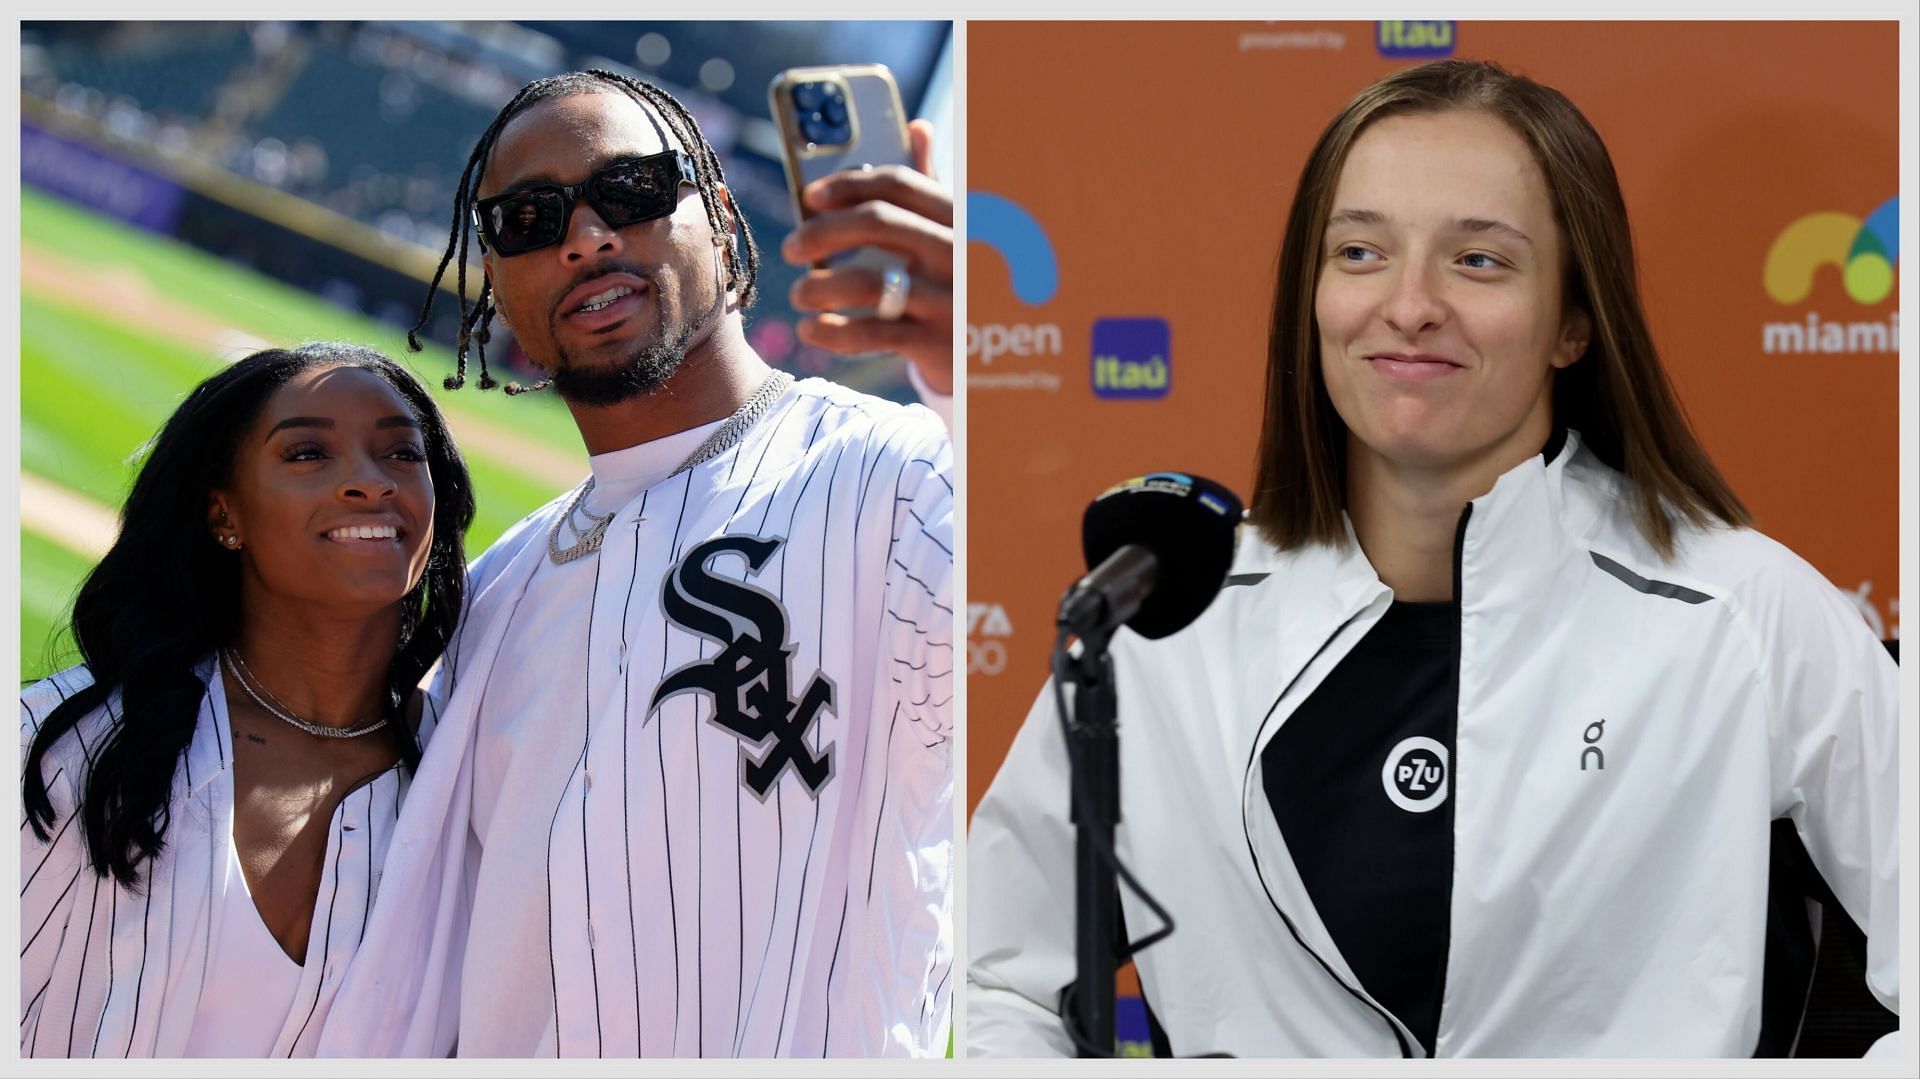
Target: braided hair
[{"x": 476, "y": 320}]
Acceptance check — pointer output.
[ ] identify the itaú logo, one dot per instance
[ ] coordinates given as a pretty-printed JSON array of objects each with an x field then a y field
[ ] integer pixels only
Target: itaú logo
[{"x": 1865, "y": 252}]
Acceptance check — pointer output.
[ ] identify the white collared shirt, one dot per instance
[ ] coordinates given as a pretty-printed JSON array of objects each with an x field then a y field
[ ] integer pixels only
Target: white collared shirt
[
  {"x": 107, "y": 970},
  {"x": 252, "y": 983},
  {"x": 672, "y": 857}
]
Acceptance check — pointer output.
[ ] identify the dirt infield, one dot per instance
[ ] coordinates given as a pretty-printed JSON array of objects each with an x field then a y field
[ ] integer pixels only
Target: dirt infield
[
  {"x": 79, "y": 524},
  {"x": 70, "y": 283}
]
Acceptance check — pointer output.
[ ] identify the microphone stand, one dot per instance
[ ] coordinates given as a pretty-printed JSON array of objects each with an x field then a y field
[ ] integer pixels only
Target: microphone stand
[{"x": 1093, "y": 748}]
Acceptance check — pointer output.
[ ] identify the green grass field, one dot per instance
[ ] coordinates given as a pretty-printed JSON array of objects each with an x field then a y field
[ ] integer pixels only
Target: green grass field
[{"x": 96, "y": 384}]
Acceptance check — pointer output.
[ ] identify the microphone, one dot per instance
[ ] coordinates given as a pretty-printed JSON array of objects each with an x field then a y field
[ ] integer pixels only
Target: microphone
[{"x": 1159, "y": 547}]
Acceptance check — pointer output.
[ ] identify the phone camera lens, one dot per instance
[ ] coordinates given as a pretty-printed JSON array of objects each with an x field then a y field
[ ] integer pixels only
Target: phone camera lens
[{"x": 822, "y": 113}]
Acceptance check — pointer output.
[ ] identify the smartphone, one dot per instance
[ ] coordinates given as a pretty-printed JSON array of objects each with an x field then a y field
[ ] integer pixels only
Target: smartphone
[{"x": 834, "y": 118}]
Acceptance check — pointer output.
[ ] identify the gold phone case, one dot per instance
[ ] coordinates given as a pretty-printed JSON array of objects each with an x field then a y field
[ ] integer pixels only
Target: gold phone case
[{"x": 878, "y": 136}]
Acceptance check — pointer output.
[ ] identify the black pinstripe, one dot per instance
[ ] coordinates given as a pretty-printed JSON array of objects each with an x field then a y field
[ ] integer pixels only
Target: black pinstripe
[
  {"x": 56, "y": 909},
  {"x": 806, "y": 867},
  {"x": 917, "y": 627},
  {"x": 923, "y": 531},
  {"x": 826, "y": 1023},
  {"x": 27, "y": 1012},
  {"x": 51, "y": 847},
  {"x": 51, "y": 783},
  {"x": 113, "y": 909},
  {"x": 86, "y": 945},
  {"x": 366, "y": 908},
  {"x": 866, "y": 484},
  {"x": 873, "y": 857},
  {"x": 924, "y": 587},
  {"x": 660, "y": 747},
  {"x": 846, "y": 897},
  {"x": 140, "y": 981},
  {"x": 699, "y": 990},
  {"x": 626, "y": 788},
  {"x": 935, "y": 995},
  {"x": 326, "y": 943},
  {"x": 779, "y": 805},
  {"x": 586, "y": 839},
  {"x": 553, "y": 965},
  {"x": 740, "y": 1003}
]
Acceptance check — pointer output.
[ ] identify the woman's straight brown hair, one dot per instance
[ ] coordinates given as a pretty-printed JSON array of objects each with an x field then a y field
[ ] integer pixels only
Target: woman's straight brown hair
[{"x": 1617, "y": 395}]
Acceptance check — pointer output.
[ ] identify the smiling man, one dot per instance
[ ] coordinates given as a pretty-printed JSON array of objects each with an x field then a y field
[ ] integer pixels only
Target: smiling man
[{"x": 707, "y": 691}]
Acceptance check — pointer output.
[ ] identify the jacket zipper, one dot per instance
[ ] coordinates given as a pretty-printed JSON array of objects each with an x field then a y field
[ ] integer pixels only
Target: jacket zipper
[
  {"x": 1393, "y": 1024},
  {"x": 1453, "y": 765}
]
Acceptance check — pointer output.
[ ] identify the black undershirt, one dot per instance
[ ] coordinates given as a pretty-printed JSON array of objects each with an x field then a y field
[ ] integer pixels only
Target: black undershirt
[{"x": 1379, "y": 875}]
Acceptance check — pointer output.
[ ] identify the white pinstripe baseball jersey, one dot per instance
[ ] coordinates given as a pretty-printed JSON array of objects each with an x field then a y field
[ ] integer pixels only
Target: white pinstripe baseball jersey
[
  {"x": 710, "y": 779},
  {"x": 112, "y": 971}
]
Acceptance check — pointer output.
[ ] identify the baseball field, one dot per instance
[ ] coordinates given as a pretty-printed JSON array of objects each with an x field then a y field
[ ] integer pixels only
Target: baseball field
[{"x": 117, "y": 324}]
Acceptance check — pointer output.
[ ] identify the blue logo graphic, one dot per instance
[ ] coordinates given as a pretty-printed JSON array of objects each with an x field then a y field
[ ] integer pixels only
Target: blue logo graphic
[
  {"x": 1132, "y": 358},
  {"x": 1213, "y": 503},
  {"x": 1425, "y": 39},
  {"x": 1008, "y": 228}
]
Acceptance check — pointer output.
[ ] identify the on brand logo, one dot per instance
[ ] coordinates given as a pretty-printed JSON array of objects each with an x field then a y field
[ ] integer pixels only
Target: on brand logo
[
  {"x": 1415, "y": 775},
  {"x": 1591, "y": 736}
]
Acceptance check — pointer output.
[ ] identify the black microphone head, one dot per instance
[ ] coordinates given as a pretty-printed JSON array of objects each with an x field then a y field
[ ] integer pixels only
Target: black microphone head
[{"x": 1187, "y": 522}]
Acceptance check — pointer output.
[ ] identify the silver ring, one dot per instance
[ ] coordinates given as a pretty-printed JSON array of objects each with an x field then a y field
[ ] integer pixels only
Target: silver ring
[{"x": 894, "y": 285}]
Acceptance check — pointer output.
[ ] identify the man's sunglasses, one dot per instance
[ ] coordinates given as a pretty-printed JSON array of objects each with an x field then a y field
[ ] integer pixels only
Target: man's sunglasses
[{"x": 624, "y": 193}]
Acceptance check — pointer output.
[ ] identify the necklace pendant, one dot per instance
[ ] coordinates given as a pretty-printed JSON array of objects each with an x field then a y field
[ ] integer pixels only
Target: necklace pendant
[
  {"x": 588, "y": 544},
  {"x": 726, "y": 437}
]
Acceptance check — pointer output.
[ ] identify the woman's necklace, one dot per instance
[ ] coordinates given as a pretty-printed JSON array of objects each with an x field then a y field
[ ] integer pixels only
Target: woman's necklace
[
  {"x": 244, "y": 675},
  {"x": 588, "y": 541}
]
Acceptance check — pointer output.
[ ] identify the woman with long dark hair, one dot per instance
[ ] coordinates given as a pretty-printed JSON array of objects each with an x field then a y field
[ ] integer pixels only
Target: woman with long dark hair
[
  {"x": 210, "y": 794},
  {"x": 1490, "y": 743}
]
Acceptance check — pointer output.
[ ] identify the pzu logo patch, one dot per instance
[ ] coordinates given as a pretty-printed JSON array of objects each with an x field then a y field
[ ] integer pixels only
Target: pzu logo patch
[
  {"x": 750, "y": 679},
  {"x": 1415, "y": 775}
]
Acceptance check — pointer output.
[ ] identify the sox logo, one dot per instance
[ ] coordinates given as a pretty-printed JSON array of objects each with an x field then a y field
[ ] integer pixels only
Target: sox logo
[{"x": 749, "y": 680}]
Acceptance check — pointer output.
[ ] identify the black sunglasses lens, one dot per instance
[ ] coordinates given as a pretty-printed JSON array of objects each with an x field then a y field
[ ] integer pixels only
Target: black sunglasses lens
[
  {"x": 635, "y": 191},
  {"x": 526, "y": 221}
]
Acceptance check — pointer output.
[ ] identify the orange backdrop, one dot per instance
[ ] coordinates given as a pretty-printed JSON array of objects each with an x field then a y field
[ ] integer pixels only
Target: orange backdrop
[{"x": 1158, "y": 161}]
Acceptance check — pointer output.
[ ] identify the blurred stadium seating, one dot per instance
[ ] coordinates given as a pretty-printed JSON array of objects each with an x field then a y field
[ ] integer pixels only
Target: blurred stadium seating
[{"x": 373, "y": 122}]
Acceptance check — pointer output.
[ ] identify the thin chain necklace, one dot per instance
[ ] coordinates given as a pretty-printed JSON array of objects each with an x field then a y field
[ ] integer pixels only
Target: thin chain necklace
[
  {"x": 244, "y": 675},
  {"x": 588, "y": 541}
]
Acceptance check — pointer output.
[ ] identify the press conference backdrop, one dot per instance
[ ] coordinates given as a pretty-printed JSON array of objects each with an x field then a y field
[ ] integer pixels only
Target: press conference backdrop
[{"x": 1128, "y": 190}]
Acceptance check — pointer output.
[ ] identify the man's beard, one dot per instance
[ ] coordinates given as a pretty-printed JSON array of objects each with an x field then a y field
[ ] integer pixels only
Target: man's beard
[{"x": 644, "y": 371}]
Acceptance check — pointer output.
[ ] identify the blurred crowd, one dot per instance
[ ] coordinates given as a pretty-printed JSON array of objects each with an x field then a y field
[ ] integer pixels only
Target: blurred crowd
[{"x": 374, "y": 120}]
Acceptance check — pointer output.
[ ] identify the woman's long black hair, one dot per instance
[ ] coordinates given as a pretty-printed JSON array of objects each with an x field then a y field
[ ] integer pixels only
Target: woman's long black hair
[{"x": 166, "y": 596}]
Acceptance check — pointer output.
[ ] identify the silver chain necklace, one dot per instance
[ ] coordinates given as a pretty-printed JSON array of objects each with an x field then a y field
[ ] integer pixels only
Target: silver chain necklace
[
  {"x": 730, "y": 433},
  {"x": 244, "y": 675}
]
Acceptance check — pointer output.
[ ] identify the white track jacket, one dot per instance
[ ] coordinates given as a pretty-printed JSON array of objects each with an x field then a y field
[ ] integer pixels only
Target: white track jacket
[{"x": 1628, "y": 729}]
